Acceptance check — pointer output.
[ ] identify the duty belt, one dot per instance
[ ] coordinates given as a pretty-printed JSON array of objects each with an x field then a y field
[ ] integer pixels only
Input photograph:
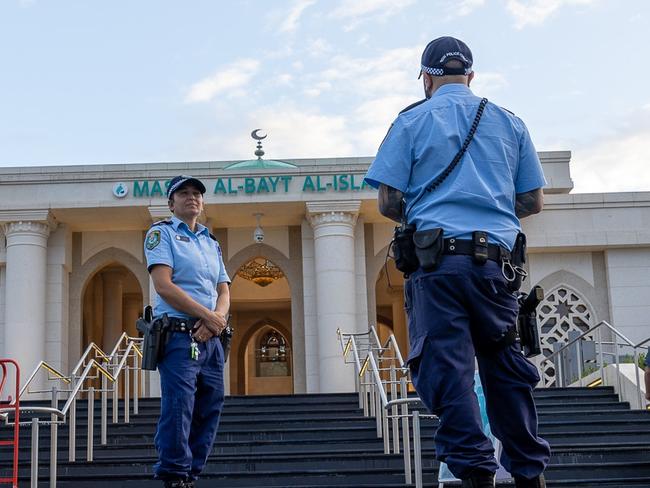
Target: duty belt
[
  {"x": 177, "y": 324},
  {"x": 466, "y": 247}
]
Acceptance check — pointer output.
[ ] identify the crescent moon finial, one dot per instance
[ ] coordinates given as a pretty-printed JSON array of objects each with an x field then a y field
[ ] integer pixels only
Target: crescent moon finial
[{"x": 256, "y": 136}]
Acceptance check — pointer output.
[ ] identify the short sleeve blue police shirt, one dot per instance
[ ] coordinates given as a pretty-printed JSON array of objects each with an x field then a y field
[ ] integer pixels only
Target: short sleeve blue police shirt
[
  {"x": 480, "y": 193},
  {"x": 195, "y": 259}
]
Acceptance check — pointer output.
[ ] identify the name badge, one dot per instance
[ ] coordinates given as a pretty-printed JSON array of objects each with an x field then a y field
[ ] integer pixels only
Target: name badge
[{"x": 182, "y": 238}]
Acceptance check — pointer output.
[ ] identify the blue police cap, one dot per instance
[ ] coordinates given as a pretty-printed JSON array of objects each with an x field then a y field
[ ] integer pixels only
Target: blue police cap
[
  {"x": 178, "y": 181},
  {"x": 440, "y": 51}
]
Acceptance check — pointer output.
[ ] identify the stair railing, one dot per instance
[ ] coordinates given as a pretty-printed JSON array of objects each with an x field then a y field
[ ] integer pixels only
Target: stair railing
[
  {"x": 93, "y": 365},
  {"x": 387, "y": 398},
  {"x": 610, "y": 349}
]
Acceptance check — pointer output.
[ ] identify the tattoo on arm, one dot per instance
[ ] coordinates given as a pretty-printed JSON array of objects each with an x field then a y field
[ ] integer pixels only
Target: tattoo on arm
[
  {"x": 390, "y": 202},
  {"x": 529, "y": 203}
]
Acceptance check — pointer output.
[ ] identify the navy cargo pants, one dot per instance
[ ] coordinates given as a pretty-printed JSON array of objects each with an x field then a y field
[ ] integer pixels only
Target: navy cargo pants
[
  {"x": 455, "y": 313},
  {"x": 192, "y": 395}
]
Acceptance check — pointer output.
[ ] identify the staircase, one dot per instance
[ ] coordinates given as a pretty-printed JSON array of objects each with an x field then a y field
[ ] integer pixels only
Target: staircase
[{"x": 325, "y": 441}]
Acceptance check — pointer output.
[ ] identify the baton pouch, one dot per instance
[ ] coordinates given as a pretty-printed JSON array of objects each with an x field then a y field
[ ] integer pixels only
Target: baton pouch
[
  {"x": 428, "y": 247},
  {"x": 403, "y": 249}
]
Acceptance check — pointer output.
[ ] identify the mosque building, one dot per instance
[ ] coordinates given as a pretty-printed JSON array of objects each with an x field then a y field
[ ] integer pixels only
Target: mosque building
[{"x": 306, "y": 249}]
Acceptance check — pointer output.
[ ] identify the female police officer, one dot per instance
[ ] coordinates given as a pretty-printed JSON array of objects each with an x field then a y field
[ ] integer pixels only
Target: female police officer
[{"x": 191, "y": 284}]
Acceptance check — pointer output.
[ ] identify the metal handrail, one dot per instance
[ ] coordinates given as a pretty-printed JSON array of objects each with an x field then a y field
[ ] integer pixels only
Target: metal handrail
[
  {"x": 589, "y": 331},
  {"x": 110, "y": 369},
  {"x": 47, "y": 367},
  {"x": 642, "y": 343},
  {"x": 620, "y": 341},
  {"x": 92, "y": 347},
  {"x": 374, "y": 393}
]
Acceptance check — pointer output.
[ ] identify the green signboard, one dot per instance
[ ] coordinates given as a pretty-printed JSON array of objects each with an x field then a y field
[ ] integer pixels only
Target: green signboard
[{"x": 346, "y": 182}]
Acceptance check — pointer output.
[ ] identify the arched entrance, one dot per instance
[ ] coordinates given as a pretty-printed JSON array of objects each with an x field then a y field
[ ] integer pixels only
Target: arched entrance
[
  {"x": 112, "y": 302},
  {"x": 261, "y": 359},
  {"x": 390, "y": 314}
]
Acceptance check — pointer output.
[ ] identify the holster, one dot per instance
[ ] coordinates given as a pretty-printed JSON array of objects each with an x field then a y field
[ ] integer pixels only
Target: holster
[
  {"x": 527, "y": 321},
  {"x": 403, "y": 249},
  {"x": 153, "y": 333},
  {"x": 226, "y": 340},
  {"x": 428, "y": 247}
]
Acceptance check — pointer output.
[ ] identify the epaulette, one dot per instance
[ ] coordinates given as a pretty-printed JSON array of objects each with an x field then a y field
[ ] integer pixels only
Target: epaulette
[
  {"x": 503, "y": 108},
  {"x": 213, "y": 237},
  {"x": 413, "y": 105},
  {"x": 162, "y": 222}
]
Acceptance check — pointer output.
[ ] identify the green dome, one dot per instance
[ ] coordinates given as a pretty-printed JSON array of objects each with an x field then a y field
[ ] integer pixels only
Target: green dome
[{"x": 260, "y": 164}]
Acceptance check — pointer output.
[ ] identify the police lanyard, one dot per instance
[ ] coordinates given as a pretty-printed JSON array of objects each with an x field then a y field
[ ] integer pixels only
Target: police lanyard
[{"x": 454, "y": 162}]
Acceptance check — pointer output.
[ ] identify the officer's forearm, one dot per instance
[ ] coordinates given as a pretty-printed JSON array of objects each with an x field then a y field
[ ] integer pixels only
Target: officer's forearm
[
  {"x": 529, "y": 203},
  {"x": 223, "y": 300},
  {"x": 389, "y": 201}
]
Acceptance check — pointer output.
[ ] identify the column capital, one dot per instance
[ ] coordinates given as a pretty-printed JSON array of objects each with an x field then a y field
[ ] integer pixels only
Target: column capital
[
  {"x": 36, "y": 215},
  {"x": 40, "y": 222},
  {"x": 333, "y": 212},
  {"x": 159, "y": 212},
  {"x": 40, "y": 229}
]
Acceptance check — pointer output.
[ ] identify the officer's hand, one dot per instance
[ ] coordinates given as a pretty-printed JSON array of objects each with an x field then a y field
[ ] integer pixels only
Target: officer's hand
[
  {"x": 201, "y": 332},
  {"x": 215, "y": 322}
]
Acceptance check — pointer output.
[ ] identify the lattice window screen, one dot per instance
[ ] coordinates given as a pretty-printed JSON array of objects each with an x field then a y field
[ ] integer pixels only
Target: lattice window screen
[{"x": 561, "y": 311}]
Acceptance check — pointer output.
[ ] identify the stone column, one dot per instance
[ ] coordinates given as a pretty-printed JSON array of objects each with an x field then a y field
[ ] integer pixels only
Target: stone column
[
  {"x": 113, "y": 287},
  {"x": 334, "y": 267},
  {"x": 26, "y": 277}
]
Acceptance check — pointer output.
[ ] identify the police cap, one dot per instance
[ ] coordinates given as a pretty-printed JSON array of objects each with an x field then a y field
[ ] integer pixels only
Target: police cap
[
  {"x": 439, "y": 51},
  {"x": 178, "y": 181}
]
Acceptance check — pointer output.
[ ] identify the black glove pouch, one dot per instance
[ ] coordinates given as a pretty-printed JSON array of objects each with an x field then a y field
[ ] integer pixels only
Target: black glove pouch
[
  {"x": 428, "y": 247},
  {"x": 403, "y": 249}
]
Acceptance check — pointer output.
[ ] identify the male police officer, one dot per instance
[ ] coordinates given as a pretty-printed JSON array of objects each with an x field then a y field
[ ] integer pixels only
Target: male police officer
[
  {"x": 191, "y": 284},
  {"x": 463, "y": 308}
]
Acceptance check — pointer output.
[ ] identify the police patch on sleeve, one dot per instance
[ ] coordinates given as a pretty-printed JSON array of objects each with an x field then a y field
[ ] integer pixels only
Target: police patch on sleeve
[{"x": 153, "y": 239}]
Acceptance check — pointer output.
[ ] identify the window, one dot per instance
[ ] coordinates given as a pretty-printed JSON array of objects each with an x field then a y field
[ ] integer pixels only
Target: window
[{"x": 272, "y": 356}]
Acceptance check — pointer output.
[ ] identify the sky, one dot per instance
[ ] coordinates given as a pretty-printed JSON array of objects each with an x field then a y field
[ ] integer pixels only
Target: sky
[{"x": 125, "y": 81}]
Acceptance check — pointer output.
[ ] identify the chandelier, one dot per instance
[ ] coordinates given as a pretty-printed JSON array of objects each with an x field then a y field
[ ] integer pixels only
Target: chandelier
[{"x": 260, "y": 271}]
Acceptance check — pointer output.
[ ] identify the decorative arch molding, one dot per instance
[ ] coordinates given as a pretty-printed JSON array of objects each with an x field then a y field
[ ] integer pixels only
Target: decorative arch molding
[
  {"x": 101, "y": 246},
  {"x": 81, "y": 276},
  {"x": 374, "y": 264},
  {"x": 388, "y": 322},
  {"x": 595, "y": 298},
  {"x": 261, "y": 250},
  {"x": 245, "y": 339},
  {"x": 292, "y": 269}
]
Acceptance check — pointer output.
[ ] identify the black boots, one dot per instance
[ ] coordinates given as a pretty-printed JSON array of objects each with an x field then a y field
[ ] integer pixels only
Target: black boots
[
  {"x": 174, "y": 484},
  {"x": 481, "y": 479},
  {"x": 177, "y": 483},
  {"x": 537, "y": 482}
]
